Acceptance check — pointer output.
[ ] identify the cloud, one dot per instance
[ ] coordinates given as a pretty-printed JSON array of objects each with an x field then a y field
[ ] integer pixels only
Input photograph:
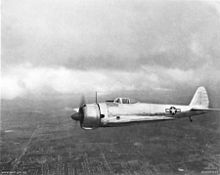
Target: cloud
[
  {"x": 26, "y": 79},
  {"x": 53, "y": 46},
  {"x": 10, "y": 88},
  {"x": 110, "y": 35},
  {"x": 215, "y": 4}
]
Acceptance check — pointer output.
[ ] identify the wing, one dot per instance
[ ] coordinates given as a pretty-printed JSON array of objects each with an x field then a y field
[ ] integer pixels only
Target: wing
[{"x": 129, "y": 119}]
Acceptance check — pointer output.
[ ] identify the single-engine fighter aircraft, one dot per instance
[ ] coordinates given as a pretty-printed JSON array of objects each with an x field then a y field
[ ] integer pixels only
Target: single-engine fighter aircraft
[{"x": 122, "y": 111}]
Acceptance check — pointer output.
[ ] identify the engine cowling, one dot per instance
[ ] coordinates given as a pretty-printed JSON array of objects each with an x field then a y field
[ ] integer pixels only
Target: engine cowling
[{"x": 91, "y": 116}]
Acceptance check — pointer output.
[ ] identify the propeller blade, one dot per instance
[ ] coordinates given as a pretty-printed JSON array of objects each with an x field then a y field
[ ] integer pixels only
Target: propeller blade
[
  {"x": 79, "y": 114},
  {"x": 83, "y": 101}
]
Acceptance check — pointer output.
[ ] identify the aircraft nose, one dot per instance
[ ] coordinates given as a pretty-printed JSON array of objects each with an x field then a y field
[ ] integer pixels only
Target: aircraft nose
[{"x": 75, "y": 116}]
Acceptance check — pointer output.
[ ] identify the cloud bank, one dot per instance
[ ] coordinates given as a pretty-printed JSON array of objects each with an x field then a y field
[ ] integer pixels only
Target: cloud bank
[
  {"x": 74, "y": 46},
  {"x": 24, "y": 80}
]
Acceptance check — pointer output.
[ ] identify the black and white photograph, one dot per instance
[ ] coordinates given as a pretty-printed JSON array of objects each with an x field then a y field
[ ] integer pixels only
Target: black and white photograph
[{"x": 110, "y": 87}]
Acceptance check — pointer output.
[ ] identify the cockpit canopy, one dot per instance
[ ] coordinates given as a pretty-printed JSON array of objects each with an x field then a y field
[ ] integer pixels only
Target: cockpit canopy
[{"x": 122, "y": 100}]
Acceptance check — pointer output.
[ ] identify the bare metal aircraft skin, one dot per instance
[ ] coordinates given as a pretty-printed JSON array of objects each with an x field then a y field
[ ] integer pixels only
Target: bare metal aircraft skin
[{"x": 122, "y": 111}]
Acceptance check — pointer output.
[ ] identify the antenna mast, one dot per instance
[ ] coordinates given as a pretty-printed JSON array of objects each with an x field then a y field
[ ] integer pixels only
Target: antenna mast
[{"x": 96, "y": 97}]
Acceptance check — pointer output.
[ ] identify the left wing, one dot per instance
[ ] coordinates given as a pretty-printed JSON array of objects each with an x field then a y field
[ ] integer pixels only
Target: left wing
[{"x": 129, "y": 119}]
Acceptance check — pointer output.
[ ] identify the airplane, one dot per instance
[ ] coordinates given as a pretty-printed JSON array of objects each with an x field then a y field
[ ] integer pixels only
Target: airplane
[{"x": 122, "y": 111}]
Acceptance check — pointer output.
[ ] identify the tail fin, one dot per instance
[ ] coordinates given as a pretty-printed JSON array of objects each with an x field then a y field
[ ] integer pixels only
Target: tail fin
[{"x": 200, "y": 98}]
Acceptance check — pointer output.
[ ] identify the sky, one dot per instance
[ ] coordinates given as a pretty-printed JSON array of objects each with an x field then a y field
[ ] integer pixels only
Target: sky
[{"x": 65, "y": 46}]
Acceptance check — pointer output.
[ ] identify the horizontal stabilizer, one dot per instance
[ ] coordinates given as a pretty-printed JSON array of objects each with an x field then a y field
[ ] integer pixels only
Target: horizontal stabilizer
[{"x": 206, "y": 109}]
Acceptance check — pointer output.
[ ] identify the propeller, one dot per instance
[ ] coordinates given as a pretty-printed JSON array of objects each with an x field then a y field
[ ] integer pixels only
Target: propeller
[{"x": 79, "y": 116}]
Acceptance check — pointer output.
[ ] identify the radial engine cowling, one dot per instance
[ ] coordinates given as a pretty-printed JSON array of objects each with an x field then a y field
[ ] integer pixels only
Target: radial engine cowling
[{"x": 91, "y": 116}]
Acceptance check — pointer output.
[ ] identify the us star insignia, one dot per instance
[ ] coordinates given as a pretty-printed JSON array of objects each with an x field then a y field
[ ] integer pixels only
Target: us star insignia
[{"x": 172, "y": 110}]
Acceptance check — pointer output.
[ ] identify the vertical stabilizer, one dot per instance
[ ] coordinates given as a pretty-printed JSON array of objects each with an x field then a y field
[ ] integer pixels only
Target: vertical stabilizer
[{"x": 200, "y": 98}]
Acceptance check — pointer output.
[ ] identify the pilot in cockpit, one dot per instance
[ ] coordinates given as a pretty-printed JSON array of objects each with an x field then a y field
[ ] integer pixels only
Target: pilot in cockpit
[{"x": 122, "y": 101}]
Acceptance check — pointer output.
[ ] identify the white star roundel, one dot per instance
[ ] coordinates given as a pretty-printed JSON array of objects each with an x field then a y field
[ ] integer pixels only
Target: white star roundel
[{"x": 172, "y": 110}]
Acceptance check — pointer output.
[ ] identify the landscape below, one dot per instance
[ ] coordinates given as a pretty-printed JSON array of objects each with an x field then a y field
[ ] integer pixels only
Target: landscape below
[{"x": 39, "y": 137}]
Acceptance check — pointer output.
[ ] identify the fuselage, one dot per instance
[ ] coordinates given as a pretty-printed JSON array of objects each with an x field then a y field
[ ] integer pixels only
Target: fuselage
[{"x": 123, "y": 114}]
